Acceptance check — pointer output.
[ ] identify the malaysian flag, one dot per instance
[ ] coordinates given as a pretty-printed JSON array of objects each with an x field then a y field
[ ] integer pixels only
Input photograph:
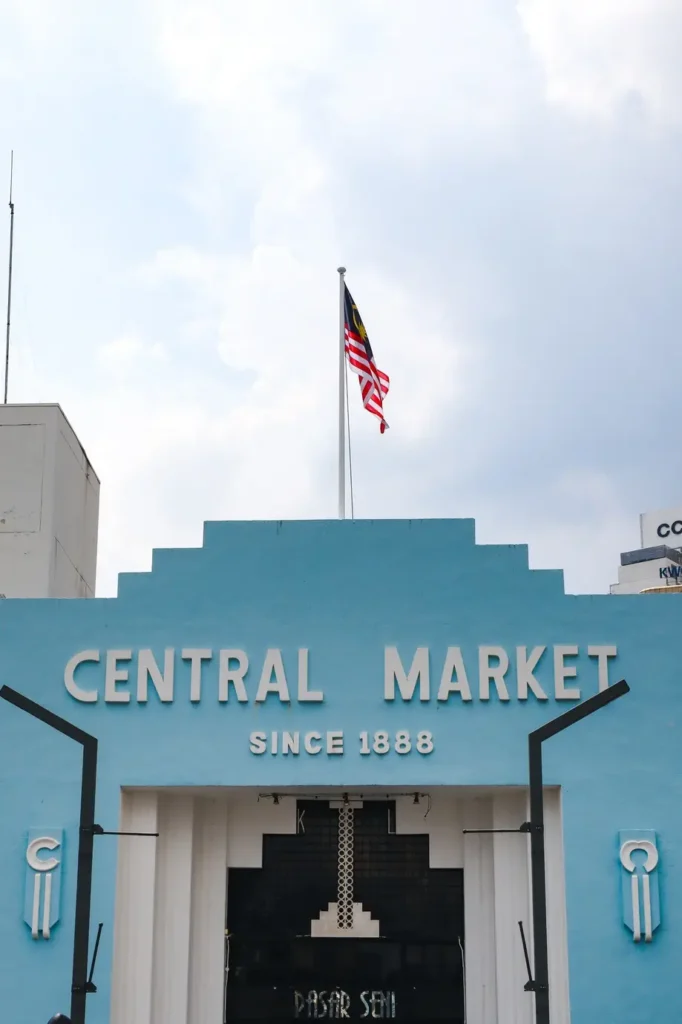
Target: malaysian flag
[{"x": 373, "y": 383}]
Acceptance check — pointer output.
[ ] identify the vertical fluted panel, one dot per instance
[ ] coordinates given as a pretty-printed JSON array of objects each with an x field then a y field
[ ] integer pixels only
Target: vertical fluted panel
[
  {"x": 173, "y": 908},
  {"x": 557, "y": 935},
  {"x": 512, "y": 904},
  {"x": 131, "y": 993},
  {"x": 479, "y": 913},
  {"x": 209, "y": 890}
]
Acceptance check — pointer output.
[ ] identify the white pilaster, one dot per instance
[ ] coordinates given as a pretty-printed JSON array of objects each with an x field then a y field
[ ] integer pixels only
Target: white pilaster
[
  {"x": 172, "y": 922},
  {"x": 512, "y": 904},
  {"x": 209, "y": 893},
  {"x": 131, "y": 994},
  {"x": 557, "y": 934},
  {"x": 479, "y": 914},
  {"x": 248, "y": 820},
  {"x": 437, "y": 815}
]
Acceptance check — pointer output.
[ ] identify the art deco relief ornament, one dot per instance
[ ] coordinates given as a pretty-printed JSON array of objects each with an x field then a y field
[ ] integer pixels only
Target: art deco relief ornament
[
  {"x": 639, "y": 860},
  {"x": 43, "y": 880}
]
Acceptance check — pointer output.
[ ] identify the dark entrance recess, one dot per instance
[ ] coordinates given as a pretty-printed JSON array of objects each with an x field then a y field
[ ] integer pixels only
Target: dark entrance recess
[{"x": 278, "y": 972}]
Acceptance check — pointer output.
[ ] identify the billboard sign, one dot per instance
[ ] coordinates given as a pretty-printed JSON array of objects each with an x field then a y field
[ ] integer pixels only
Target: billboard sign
[{"x": 662, "y": 527}]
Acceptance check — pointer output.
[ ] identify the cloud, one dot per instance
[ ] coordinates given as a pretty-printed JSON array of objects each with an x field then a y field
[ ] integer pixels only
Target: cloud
[
  {"x": 129, "y": 353},
  {"x": 282, "y": 353},
  {"x": 598, "y": 56},
  {"x": 283, "y": 86},
  {"x": 509, "y": 220}
]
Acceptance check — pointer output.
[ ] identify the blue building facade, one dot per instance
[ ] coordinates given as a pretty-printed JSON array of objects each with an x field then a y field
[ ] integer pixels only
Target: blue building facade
[{"x": 392, "y": 660}]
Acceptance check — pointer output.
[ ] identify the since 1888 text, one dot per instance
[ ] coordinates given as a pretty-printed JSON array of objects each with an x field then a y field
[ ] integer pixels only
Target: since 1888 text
[{"x": 334, "y": 742}]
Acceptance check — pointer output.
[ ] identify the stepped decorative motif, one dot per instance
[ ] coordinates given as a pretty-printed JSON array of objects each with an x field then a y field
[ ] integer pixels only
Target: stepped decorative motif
[{"x": 345, "y": 918}]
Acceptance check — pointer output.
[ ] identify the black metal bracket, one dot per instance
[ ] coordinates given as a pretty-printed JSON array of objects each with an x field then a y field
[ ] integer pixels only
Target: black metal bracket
[
  {"x": 89, "y": 987},
  {"x": 97, "y": 830},
  {"x": 522, "y": 829},
  {"x": 530, "y": 986}
]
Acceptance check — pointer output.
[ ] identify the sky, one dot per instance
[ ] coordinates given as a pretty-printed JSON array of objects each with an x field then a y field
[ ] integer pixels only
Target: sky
[{"x": 503, "y": 182}]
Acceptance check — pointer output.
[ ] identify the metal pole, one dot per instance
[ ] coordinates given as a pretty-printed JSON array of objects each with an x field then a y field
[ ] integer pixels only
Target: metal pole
[
  {"x": 538, "y": 881},
  {"x": 342, "y": 393},
  {"x": 9, "y": 274},
  {"x": 79, "y": 977},
  {"x": 540, "y": 984},
  {"x": 86, "y": 839}
]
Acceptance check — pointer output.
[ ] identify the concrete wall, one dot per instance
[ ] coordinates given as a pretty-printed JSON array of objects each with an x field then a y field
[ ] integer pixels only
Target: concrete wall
[{"x": 49, "y": 506}]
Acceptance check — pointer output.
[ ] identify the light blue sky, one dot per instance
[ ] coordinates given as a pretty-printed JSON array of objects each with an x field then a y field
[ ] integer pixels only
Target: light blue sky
[{"x": 503, "y": 183}]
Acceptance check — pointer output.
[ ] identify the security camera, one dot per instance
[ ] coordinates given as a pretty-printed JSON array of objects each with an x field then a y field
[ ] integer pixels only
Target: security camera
[{"x": 59, "y": 1018}]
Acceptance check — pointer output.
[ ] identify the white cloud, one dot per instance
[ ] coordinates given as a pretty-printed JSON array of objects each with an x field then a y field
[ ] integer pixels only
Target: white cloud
[
  {"x": 229, "y": 409},
  {"x": 370, "y": 73},
  {"x": 278, "y": 319},
  {"x": 63, "y": 41},
  {"x": 234, "y": 413},
  {"x": 596, "y": 54},
  {"x": 281, "y": 90},
  {"x": 128, "y": 352}
]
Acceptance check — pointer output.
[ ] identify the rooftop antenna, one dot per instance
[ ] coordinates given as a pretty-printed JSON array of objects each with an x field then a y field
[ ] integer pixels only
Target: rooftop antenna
[{"x": 9, "y": 275}]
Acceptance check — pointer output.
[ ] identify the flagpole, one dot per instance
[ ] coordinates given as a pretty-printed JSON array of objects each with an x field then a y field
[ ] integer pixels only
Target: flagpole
[
  {"x": 9, "y": 274},
  {"x": 342, "y": 395}
]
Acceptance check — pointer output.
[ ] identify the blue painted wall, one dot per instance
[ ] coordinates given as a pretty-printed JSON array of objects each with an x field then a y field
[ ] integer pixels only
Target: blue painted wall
[{"x": 345, "y": 591}]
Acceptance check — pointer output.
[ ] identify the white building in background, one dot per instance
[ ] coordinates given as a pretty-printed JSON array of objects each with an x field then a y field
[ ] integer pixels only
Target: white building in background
[
  {"x": 49, "y": 506},
  {"x": 658, "y": 562}
]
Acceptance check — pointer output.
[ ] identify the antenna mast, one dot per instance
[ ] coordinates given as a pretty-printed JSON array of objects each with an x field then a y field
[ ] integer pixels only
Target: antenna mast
[{"x": 9, "y": 275}]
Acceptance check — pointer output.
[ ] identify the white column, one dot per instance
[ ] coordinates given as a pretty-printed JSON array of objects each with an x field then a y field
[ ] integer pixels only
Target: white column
[
  {"x": 439, "y": 816},
  {"x": 172, "y": 922},
  {"x": 557, "y": 933},
  {"x": 479, "y": 914},
  {"x": 209, "y": 893},
  {"x": 131, "y": 990},
  {"x": 512, "y": 904}
]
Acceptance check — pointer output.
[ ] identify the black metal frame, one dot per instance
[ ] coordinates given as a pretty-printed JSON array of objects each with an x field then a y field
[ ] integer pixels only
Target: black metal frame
[
  {"x": 536, "y": 829},
  {"x": 81, "y": 985},
  {"x": 540, "y": 984}
]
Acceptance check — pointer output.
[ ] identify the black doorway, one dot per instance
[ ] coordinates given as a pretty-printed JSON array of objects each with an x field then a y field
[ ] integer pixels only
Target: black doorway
[{"x": 412, "y": 972}]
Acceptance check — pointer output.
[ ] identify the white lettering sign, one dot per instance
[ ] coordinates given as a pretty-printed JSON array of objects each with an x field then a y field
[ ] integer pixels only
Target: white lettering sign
[
  {"x": 333, "y": 742},
  {"x": 491, "y": 673},
  {"x": 501, "y": 675},
  {"x": 186, "y": 674}
]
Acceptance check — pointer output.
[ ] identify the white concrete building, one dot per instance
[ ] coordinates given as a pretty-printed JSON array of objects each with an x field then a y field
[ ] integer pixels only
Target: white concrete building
[
  {"x": 49, "y": 506},
  {"x": 658, "y": 562}
]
